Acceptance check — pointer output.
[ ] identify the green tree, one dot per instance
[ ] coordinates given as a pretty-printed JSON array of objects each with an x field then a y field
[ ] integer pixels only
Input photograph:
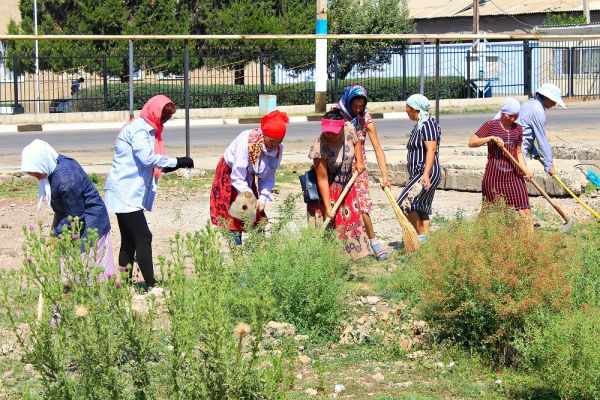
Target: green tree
[
  {"x": 264, "y": 17},
  {"x": 554, "y": 19},
  {"x": 367, "y": 17},
  {"x": 107, "y": 17}
]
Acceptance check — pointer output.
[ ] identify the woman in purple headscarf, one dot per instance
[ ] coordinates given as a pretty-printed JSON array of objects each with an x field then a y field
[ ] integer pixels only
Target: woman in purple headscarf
[{"x": 353, "y": 105}]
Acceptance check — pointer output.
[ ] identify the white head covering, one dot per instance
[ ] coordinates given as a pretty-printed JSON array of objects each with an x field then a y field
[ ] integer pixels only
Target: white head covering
[
  {"x": 552, "y": 92},
  {"x": 422, "y": 104},
  {"x": 38, "y": 156},
  {"x": 511, "y": 106}
]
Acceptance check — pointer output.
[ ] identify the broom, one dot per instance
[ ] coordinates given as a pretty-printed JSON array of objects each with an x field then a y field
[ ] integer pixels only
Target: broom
[{"x": 409, "y": 235}]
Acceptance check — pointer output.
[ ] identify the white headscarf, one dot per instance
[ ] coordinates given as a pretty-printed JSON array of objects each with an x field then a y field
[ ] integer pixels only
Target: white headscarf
[
  {"x": 511, "y": 106},
  {"x": 420, "y": 103},
  {"x": 38, "y": 156}
]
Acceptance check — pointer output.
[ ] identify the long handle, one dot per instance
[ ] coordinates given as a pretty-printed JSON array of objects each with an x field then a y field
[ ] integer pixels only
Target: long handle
[
  {"x": 537, "y": 186},
  {"x": 587, "y": 207},
  {"x": 340, "y": 199}
]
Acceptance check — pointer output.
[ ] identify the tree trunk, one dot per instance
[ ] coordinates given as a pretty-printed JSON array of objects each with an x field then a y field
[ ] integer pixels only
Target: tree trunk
[{"x": 239, "y": 75}]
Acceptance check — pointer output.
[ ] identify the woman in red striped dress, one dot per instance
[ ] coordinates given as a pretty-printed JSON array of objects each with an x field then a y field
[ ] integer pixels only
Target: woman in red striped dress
[{"x": 503, "y": 179}]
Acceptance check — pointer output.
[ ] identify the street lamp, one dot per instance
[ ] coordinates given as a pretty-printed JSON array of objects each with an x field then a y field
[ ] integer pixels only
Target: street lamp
[{"x": 37, "y": 63}]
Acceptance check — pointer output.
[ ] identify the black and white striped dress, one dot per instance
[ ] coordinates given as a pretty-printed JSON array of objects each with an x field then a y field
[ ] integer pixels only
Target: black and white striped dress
[{"x": 430, "y": 131}]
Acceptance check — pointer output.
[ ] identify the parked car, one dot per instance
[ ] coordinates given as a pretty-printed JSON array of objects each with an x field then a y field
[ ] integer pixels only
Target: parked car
[{"x": 61, "y": 105}]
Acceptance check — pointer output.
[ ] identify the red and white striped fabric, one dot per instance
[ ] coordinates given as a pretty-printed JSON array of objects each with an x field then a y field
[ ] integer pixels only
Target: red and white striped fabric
[{"x": 502, "y": 179}]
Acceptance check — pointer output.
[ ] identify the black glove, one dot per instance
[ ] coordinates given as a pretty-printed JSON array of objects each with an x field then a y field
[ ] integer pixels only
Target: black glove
[{"x": 182, "y": 162}]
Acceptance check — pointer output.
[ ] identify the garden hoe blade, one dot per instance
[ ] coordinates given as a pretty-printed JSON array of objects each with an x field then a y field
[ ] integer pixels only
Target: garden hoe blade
[{"x": 244, "y": 206}]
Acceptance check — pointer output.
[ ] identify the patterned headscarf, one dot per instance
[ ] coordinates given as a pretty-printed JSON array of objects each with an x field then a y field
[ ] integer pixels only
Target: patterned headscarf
[
  {"x": 421, "y": 104},
  {"x": 256, "y": 141},
  {"x": 40, "y": 157},
  {"x": 152, "y": 114},
  {"x": 345, "y": 103}
]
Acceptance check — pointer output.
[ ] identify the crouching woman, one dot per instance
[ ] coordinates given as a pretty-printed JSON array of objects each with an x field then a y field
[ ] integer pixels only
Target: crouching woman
[{"x": 333, "y": 153}]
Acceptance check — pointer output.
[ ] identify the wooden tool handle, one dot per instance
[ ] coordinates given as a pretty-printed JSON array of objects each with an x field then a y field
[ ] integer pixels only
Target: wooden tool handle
[
  {"x": 537, "y": 185},
  {"x": 340, "y": 199}
]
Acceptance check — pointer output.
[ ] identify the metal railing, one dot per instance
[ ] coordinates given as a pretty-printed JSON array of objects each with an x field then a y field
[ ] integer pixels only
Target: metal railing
[{"x": 495, "y": 68}]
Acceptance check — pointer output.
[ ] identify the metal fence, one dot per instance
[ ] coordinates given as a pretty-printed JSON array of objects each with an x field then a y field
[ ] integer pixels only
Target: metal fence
[{"x": 465, "y": 69}]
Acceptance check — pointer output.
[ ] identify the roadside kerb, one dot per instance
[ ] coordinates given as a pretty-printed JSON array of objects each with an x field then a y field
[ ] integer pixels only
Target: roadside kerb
[{"x": 223, "y": 116}]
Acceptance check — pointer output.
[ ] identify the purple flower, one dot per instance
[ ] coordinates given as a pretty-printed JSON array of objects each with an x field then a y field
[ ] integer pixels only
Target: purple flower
[
  {"x": 123, "y": 268},
  {"x": 30, "y": 227},
  {"x": 108, "y": 276},
  {"x": 29, "y": 260},
  {"x": 75, "y": 236},
  {"x": 117, "y": 284}
]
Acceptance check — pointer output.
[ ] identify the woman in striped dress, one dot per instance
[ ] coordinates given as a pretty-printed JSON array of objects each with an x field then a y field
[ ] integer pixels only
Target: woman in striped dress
[
  {"x": 424, "y": 172},
  {"x": 503, "y": 179}
]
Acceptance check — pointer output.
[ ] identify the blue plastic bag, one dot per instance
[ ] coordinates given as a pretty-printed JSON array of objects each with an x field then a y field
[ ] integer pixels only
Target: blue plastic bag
[{"x": 595, "y": 179}]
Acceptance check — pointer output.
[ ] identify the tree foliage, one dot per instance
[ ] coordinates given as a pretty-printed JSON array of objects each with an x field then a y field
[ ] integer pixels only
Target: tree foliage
[
  {"x": 92, "y": 17},
  {"x": 115, "y": 17},
  {"x": 562, "y": 19},
  {"x": 368, "y": 17}
]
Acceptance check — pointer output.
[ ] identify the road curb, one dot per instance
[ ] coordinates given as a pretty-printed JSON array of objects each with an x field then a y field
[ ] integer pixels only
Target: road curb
[{"x": 85, "y": 126}]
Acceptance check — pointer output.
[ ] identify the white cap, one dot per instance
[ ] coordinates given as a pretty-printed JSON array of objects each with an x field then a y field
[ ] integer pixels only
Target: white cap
[{"x": 552, "y": 92}]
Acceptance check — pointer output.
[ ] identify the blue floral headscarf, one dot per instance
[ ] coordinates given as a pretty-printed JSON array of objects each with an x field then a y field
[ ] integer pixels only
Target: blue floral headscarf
[{"x": 345, "y": 102}]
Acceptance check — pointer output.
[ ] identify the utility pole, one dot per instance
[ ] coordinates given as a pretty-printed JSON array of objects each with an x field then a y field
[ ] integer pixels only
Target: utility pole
[
  {"x": 476, "y": 17},
  {"x": 321, "y": 58},
  {"x": 586, "y": 11}
]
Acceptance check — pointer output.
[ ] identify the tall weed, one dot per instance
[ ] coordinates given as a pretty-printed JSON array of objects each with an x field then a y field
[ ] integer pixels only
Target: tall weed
[
  {"x": 216, "y": 327},
  {"x": 200, "y": 339},
  {"x": 303, "y": 270},
  {"x": 482, "y": 279},
  {"x": 565, "y": 353},
  {"x": 84, "y": 335}
]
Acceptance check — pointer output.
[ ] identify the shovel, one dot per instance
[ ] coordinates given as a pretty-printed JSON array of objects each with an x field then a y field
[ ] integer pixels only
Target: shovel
[{"x": 568, "y": 221}]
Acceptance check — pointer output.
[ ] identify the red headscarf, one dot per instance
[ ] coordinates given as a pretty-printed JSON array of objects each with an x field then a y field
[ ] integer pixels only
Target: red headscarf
[
  {"x": 274, "y": 124},
  {"x": 152, "y": 113}
]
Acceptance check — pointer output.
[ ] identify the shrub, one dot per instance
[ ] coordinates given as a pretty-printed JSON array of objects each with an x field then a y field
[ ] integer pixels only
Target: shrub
[
  {"x": 304, "y": 272},
  {"x": 216, "y": 327},
  {"x": 212, "y": 96},
  {"x": 565, "y": 353},
  {"x": 97, "y": 341},
  {"x": 484, "y": 278}
]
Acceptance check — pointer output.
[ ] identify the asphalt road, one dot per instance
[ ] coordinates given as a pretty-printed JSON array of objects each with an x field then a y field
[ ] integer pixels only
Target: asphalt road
[{"x": 456, "y": 128}]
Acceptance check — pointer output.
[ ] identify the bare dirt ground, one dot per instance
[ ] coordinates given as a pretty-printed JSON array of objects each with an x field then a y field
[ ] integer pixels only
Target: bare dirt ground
[{"x": 180, "y": 208}]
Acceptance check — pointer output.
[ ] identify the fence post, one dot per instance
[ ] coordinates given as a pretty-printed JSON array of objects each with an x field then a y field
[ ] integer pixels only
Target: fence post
[
  {"x": 422, "y": 68},
  {"x": 186, "y": 94},
  {"x": 468, "y": 74},
  {"x": 105, "y": 81},
  {"x": 336, "y": 73},
  {"x": 262, "y": 72},
  {"x": 130, "y": 79},
  {"x": 16, "y": 82},
  {"x": 437, "y": 80},
  {"x": 403, "y": 74},
  {"x": 526, "y": 68},
  {"x": 571, "y": 71}
]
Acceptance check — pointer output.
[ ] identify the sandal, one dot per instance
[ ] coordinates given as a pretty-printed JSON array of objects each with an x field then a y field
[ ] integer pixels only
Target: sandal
[{"x": 379, "y": 252}]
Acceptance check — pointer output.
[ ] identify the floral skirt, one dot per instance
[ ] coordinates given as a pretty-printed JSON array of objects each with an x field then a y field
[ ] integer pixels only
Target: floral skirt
[
  {"x": 222, "y": 196},
  {"x": 348, "y": 221}
]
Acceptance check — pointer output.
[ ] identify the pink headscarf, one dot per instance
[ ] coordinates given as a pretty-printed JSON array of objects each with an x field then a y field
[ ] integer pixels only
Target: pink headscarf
[{"x": 152, "y": 113}]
